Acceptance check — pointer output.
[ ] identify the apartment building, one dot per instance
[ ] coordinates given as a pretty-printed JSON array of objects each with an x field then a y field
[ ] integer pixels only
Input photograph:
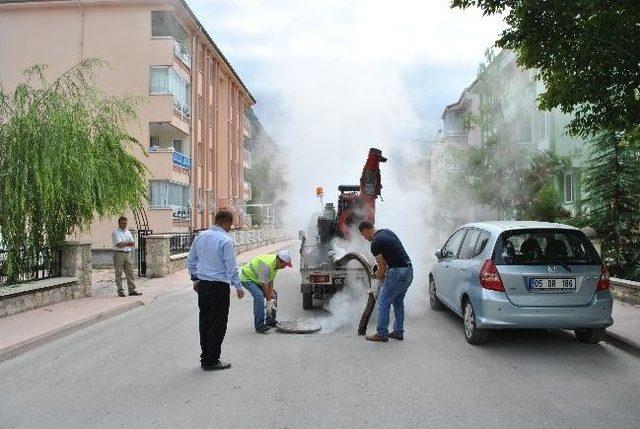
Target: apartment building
[
  {"x": 191, "y": 123},
  {"x": 508, "y": 99}
]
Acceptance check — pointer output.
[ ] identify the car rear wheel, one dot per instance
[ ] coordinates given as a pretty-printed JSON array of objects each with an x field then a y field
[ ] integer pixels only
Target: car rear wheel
[
  {"x": 307, "y": 301},
  {"x": 590, "y": 336},
  {"x": 472, "y": 333},
  {"x": 434, "y": 301}
]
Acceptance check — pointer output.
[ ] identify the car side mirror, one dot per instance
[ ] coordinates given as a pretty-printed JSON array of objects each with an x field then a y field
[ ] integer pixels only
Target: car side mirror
[
  {"x": 439, "y": 254},
  {"x": 301, "y": 235}
]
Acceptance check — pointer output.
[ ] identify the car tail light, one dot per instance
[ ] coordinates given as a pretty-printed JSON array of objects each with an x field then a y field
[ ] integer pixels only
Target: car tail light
[
  {"x": 489, "y": 277},
  {"x": 319, "y": 278},
  {"x": 604, "y": 282}
]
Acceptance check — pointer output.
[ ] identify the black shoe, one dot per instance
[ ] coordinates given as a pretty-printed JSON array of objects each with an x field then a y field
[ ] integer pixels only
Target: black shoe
[
  {"x": 216, "y": 366},
  {"x": 134, "y": 293},
  {"x": 272, "y": 323},
  {"x": 263, "y": 329},
  {"x": 121, "y": 293},
  {"x": 396, "y": 335}
]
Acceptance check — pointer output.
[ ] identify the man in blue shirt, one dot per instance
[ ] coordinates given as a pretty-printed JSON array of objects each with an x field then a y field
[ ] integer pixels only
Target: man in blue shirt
[
  {"x": 396, "y": 273},
  {"x": 213, "y": 268}
]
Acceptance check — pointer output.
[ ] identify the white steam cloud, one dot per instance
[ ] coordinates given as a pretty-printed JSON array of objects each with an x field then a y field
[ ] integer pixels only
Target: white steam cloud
[{"x": 334, "y": 112}]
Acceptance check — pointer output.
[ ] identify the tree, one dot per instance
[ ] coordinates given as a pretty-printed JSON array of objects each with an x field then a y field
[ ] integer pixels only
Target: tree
[
  {"x": 612, "y": 185},
  {"x": 65, "y": 157},
  {"x": 587, "y": 53}
]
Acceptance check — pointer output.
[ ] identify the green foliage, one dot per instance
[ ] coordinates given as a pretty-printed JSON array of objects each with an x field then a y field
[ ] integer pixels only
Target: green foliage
[
  {"x": 65, "y": 157},
  {"x": 612, "y": 185},
  {"x": 587, "y": 53}
]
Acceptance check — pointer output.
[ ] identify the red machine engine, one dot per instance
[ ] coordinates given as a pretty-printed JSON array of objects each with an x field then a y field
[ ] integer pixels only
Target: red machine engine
[{"x": 357, "y": 203}]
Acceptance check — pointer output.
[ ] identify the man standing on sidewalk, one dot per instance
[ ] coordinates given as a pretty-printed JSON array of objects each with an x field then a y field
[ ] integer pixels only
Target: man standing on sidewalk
[
  {"x": 257, "y": 277},
  {"x": 396, "y": 274},
  {"x": 213, "y": 267},
  {"x": 122, "y": 246}
]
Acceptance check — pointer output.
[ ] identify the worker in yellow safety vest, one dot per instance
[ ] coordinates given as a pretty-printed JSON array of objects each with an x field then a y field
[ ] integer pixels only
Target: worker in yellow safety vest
[{"x": 257, "y": 277}]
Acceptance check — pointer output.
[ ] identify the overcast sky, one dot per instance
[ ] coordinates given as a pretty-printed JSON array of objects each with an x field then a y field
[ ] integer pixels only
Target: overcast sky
[{"x": 435, "y": 50}]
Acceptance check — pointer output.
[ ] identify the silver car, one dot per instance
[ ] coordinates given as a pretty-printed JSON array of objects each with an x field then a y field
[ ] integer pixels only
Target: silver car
[{"x": 501, "y": 275}]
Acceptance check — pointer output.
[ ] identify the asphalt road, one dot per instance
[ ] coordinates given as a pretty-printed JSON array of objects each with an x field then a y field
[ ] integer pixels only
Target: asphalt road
[{"x": 141, "y": 369}]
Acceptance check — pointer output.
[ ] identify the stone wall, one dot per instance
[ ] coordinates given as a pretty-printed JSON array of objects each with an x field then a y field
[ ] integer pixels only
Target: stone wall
[
  {"x": 626, "y": 290},
  {"x": 161, "y": 263},
  {"x": 75, "y": 282}
]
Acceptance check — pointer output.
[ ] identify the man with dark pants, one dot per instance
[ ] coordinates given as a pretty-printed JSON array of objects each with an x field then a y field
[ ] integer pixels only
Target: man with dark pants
[
  {"x": 396, "y": 273},
  {"x": 213, "y": 268}
]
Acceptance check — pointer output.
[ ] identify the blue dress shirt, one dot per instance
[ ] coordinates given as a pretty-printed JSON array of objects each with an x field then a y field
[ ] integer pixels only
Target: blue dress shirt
[{"x": 212, "y": 257}]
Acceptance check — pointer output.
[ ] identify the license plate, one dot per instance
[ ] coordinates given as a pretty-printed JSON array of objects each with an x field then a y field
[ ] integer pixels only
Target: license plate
[
  {"x": 552, "y": 284},
  {"x": 339, "y": 281}
]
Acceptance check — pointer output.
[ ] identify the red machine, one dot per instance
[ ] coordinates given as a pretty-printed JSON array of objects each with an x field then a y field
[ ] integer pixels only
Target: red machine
[
  {"x": 358, "y": 203},
  {"x": 321, "y": 276}
]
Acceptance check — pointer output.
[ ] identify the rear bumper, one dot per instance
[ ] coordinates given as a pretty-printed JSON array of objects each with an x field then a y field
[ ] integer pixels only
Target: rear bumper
[
  {"x": 319, "y": 289},
  {"x": 495, "y": 311}
]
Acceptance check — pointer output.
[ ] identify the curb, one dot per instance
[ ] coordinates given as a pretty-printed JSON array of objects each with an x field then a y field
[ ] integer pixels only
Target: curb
[
  {"x": 622, "y": 343},
  {"x": 35, "y": 342}
]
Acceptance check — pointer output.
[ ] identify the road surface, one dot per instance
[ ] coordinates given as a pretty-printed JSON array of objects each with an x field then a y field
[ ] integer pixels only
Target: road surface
[{"x": 141, "y": 369}]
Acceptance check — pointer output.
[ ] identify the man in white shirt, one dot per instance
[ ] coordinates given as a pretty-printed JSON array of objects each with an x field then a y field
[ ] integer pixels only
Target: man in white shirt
[{"x": 122, "y": 246}]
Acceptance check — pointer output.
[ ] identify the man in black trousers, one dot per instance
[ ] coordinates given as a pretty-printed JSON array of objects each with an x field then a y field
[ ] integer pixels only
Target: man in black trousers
[{"x": 213, "y": 269}]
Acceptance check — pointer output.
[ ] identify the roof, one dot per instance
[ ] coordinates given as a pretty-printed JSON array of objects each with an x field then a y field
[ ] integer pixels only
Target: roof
[
  {"x": 500, "y": 226},
  {"x": 193, "y": 16}
]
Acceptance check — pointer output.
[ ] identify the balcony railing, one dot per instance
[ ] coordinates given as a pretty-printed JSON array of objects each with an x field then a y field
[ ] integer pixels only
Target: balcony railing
[
  {"x": 181, "y": 108},
  {"x": 182, "y": 54},
  {"x": 181, "y": 160}
]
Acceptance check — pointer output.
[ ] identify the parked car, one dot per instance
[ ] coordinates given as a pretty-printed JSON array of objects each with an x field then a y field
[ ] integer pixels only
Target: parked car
[{"x": 502, "y": 275}]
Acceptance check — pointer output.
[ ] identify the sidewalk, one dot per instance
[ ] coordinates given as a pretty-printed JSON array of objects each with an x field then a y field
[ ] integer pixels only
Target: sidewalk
[
  {"x": 626, "y": 324},
  {"x": 30, "y": 329}
]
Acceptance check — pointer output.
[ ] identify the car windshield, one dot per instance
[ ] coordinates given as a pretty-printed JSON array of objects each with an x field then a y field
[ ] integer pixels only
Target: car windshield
[{"x": 545, "y": 246}]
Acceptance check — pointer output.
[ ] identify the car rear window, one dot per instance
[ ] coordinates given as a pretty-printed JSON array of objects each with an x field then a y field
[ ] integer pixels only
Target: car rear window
[{"x": 544, "y": 246}]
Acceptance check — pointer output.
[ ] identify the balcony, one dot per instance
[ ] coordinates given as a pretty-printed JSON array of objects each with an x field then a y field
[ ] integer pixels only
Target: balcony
[
  {"x": 169, "y": 153},
  {"x": 181, "y": 53},
  {"x": 246, "y": 158}
]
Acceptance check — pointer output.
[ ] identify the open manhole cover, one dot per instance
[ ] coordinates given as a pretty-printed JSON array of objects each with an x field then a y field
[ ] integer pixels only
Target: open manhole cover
[{"x": 298, "y": 327}]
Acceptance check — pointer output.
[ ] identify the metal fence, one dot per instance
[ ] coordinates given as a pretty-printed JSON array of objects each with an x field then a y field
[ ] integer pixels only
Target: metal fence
[
  {"x": 180, "y": 243},
  {"x": 44, "y": 263}
]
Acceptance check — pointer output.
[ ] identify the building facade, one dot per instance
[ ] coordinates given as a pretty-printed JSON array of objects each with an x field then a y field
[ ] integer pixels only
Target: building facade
[
  {"x": 191, "y": 120},
  {"x": 504, "y": 95}
]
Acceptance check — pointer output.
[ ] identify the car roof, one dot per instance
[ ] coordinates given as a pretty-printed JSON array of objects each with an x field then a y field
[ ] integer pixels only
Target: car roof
[{"x": 501, "y": 226}]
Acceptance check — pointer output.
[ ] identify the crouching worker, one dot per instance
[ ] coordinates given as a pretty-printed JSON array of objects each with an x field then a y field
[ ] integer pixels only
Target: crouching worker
[{"x": 257, "y": 277}]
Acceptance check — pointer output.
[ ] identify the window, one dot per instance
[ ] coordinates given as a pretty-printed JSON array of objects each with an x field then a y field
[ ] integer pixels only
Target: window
[
  {"x": 210, "y": 72},
  {"x": 154, "y": 141},
  {"x": 483, "y": 239},
  {"x": 200, "y": 154},
  {"x": 201, "y": 58},
  {"x": 568, "y": 188},
  {"x": 165, "y": 80},
  {"x": 545, "y": 246},
  {"x": 450, "y": 250},
  {"x": 163, "y": 193},
  {"x": 200, "y": 106},
  {"x": 541, "y": 125},
  {"x": 177, "y": 145},
  {"x": 469, "y": 244}
]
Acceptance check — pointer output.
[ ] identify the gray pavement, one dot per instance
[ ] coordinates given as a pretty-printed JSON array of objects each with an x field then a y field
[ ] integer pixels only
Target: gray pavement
[{"x": 141, "y": 369}]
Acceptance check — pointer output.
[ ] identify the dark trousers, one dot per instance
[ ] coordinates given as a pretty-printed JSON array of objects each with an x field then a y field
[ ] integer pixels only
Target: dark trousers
[{"x": 213, "y": 301}]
